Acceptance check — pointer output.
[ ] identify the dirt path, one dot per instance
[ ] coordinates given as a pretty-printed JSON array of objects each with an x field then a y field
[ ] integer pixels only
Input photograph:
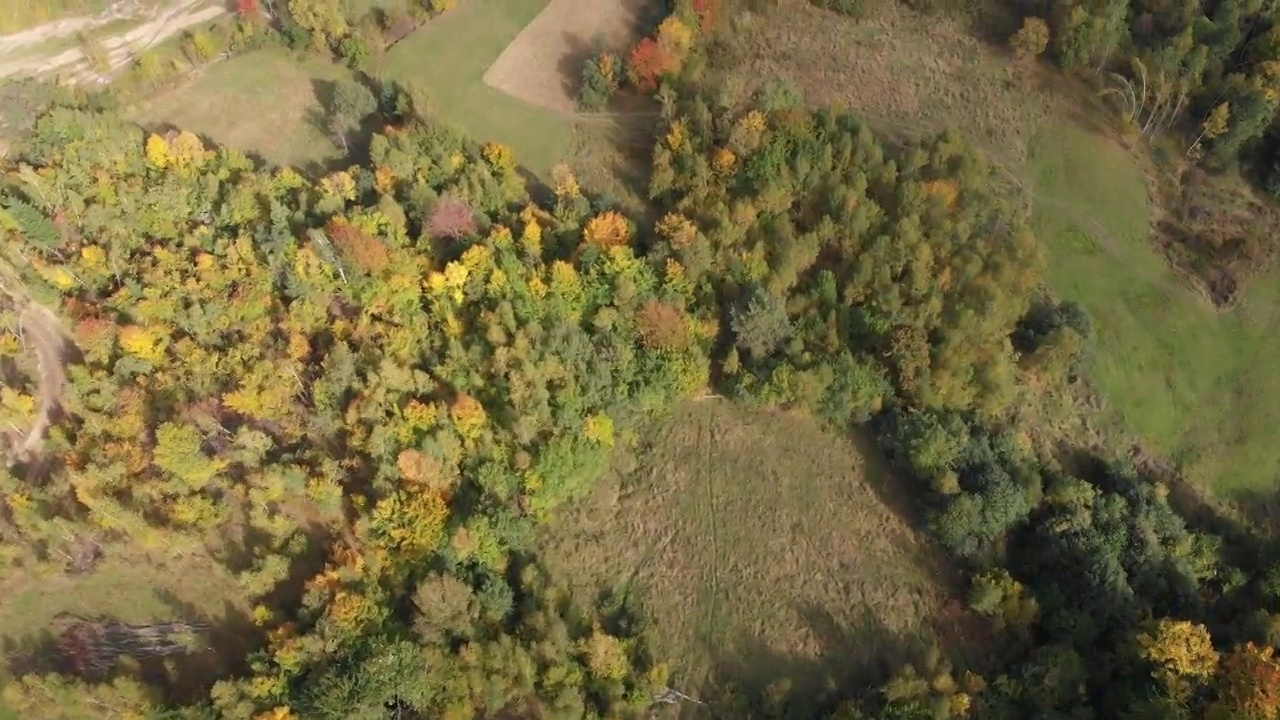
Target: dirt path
[
  {"x": 45, "y": 338},
  {"x": 154, "y": 27}
]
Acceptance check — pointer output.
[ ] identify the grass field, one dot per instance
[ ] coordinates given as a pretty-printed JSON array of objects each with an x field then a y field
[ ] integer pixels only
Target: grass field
[
  {"x": 904, "y": 72},
  {"x": 760, "y": 548},
  {"x": 264, "y": 102},
  {"x": 1199, "y": 386},
  {"x": 449, "y": 55},
  {"x": 134, "y": 588}
]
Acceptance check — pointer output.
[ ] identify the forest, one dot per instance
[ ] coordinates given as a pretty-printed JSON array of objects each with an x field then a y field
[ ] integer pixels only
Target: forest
[{"x": 361, "y": 393}]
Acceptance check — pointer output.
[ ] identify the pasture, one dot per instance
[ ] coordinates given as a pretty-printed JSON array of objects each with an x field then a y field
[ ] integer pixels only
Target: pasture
[
  {"x": 762, "y": 549},
  {"x": 1197, "y": 385},
  {"x": 265, "y": 102},
  {"x": 449, "y": 56},
  {"x": 132, "y": 586}
]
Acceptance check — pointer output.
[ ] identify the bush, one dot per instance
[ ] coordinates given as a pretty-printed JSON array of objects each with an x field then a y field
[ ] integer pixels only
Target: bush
[
  {"x": 600, "y": 79},
  {"x": 354, "y": 49},
  {"x": 1030, "y": 40},
  {"x": 201, "y": 46}
]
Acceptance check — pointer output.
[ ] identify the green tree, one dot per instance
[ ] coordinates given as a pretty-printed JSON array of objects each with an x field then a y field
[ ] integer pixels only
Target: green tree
[{"x": 349, "y": 105}]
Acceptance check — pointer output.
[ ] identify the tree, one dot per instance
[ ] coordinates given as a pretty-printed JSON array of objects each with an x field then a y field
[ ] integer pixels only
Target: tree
[
  {"x": 1030, "y": 40},
  {"x": 350, "y": 104},
  {"x": 1248, "y": 684},
  {"x": 647, "y": 64},
  {"x": 1179, "y": 649},
  {"x": 323, "y": 19},
  {"x": 608, "y": 229},
  {"x": 451, "y": 218},
  {"x": 761, "y": 324}
]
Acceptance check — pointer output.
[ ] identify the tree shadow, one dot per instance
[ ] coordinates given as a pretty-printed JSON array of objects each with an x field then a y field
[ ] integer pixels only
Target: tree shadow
[
  {"x": 32, "y": 653},
  {"x": 755, "y": 679},
  {"x": 357, "y": 139},
  {"x": 230, "y": 637},
  {"x": 577, "y": 51},
  {"x": 615, "y": 151}
]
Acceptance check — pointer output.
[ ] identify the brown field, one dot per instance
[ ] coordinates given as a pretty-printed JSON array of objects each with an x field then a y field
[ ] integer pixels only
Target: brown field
[
  {"x": 543, "y": 65},
  {"x": 901, "y": 70},
  {"x": 759, "y": 548}
]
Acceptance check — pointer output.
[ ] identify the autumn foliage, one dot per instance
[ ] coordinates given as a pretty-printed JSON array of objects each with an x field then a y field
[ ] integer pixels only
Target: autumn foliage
[
  {"x": 662, "y": 326},
  {"x": 647, "y": 64},
  {"x": 451, "y": 218},
  {"x": 249, "y": 9},
  {"x": 1249, "y": 684},
  {"x": 708, "y": 12},
  {"x": 608, "y": 229},
  {"x": 365, "y": 250}
]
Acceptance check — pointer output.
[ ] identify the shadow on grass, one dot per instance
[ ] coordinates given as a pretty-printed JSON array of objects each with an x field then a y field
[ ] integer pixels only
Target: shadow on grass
[
  {"x": 756, "y": 680},
  {"x": 230, "y": 637},
  {"x": 577, "y": 51}
]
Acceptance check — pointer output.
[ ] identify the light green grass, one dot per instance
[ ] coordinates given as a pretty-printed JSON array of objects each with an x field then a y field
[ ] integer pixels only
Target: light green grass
[
  {"x": 262, "y": 102},
  {"x": 449, "y": 56},
  {"x": 1201, "y": 388},
  {"x": 131, "y": 586},
  {"x": 760, "y": 548}
]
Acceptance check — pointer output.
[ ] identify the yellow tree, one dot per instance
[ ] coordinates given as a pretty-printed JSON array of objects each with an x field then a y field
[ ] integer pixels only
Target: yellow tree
[
  {"x": 1030, "y": 40},
  {"x": 1180, "y": 650}
]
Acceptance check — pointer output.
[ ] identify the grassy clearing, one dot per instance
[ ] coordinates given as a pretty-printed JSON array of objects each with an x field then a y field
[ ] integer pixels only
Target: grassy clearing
[
  {"x": 133, "y": 587},
  {"x": 449, "y": 55},
  {"x": 903, "y": 71},
  {"x": 1196, "y": 384},
  {"x": 759, "y": 548},
  {"x": 263, "y": 102}
]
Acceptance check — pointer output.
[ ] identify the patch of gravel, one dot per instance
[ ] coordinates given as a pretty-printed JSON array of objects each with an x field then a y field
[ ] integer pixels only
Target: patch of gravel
[{"x": 543, "y": 65}]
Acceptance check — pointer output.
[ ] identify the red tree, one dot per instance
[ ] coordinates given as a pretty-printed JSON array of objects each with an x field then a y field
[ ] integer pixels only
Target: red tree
[
  {"x": 451, "y": 218},
  {"x": 250, "y": 9},
  {"x": 648, "y": 62}
]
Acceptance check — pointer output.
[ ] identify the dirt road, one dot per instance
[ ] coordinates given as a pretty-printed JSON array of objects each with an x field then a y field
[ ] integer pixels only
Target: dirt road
[{"x": 21, "y": 54}]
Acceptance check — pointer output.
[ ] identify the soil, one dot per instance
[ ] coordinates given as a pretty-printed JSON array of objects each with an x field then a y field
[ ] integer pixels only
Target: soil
[
  {"x": 154, "y": 27},
  {"x": 543, "y": 65}
]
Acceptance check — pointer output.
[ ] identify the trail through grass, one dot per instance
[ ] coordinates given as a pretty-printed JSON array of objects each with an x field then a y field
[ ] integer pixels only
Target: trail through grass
[{"x": 1201, "y": 387}]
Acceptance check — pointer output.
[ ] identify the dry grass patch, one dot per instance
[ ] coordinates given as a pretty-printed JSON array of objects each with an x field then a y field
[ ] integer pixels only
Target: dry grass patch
[
  {"x": 543, "y": 65},
  {"x": 262, "y": 102},
  {"x": 759, "y": 548},
  {"x": 902, "y": 71}
]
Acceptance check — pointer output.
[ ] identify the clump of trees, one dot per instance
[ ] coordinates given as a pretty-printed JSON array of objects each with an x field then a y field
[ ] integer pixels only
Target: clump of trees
[{"x": 411, "y": 353}]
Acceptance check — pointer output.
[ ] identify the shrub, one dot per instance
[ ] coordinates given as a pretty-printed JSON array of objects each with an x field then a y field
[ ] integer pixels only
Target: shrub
[
  {"x": 1030, "y": 40},
  {"x": 354, "y": 49},
  {"x": 201, "y": 46},
  {"x": 441, "y": 6},
  {"x": 150, "y": 69},
  {"x": 600, "y": 79}
]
